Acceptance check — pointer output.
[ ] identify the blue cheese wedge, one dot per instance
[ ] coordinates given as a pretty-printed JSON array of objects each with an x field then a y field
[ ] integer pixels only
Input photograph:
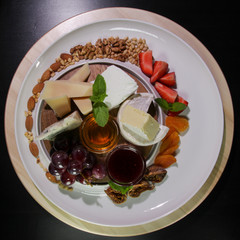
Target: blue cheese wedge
[
  {"x": 119, "y": 86},
  {"x": 68, "y": 123},
  {"x": 139, "y": 124}
]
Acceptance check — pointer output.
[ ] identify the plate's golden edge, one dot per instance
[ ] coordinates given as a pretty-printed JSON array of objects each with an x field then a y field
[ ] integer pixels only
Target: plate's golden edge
[{"x": 68, "y": 26}]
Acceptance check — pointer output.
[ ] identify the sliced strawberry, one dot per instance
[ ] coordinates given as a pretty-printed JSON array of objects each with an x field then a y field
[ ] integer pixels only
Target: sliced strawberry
[
  {"x": 159, "y": 69},
  {"x": 168, "y": 79},
  {"x": 146, "y": 62},
  {"x": 181, "y": 100},
  {"x": 166, "y": 93}
]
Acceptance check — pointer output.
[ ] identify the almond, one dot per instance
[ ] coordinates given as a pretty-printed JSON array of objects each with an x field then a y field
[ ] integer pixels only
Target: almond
[
  {"x": 38, "y": 88},
  {"x": 34, "y": 149},
  {"x": 51, "y": 178},
  {"x": 55, "y": 66},
  {"x": 66, "y": 56},
  {"x": 46, "y": 75},
  {"x": 31, "y": 103},
  {"x": 29, "y": 123}
]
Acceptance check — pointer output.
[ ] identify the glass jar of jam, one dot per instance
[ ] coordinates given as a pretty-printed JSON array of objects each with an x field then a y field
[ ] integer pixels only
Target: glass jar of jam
[
  {"x": 125, "y": 165},
  {"x": 99, "y": 139}
]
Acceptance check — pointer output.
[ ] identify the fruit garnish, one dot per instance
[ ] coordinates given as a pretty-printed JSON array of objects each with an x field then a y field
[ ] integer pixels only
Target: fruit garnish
[
  {"x": 168, "y": 79},
  {"x": 165, "y": 92},
  {"x": 175, "y": 107},
  {"x": 146, "y": 62},
  {"x": 119, "y": 188},
  {"x": 100, "y": 109},
  {"x": 160, "y": 68}
]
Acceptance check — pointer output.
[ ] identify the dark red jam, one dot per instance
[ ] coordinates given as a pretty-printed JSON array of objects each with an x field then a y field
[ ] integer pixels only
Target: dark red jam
[{"x": 125, "y": 165}]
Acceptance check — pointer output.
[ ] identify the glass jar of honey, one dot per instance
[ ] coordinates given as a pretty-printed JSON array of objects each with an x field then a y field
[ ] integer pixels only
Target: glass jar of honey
[{"x": 99, "y": 139}]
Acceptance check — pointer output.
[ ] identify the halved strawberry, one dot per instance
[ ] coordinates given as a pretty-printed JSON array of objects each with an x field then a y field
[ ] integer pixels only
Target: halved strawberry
[
  {"x": 160, "y": 68},
  {"x": 181, "y": 100},
  {"x": 165, "y": 92},
  {"x": 168, "y": 79},
  {"x": 146, "y": 62}
]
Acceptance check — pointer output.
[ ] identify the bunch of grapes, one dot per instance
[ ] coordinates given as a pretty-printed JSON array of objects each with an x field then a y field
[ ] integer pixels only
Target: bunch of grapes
[{"x": 72, "y": 162}]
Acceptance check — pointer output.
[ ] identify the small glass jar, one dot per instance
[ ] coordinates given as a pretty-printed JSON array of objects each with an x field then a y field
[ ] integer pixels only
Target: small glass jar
[
  {"x": 99, "y": 139},
  {"x": 125, "y": 165}
]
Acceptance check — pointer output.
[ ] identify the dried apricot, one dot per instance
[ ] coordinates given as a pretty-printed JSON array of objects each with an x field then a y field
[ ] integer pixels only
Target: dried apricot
[
  {"x": 165, "y": 161},
  {"x": 170, "y": 141},
  {"x": 179, "y": 123},
  {"x": 170, "y": 150}
]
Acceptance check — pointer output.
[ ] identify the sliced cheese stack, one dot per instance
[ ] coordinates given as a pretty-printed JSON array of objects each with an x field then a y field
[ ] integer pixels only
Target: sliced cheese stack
[
  {"x": 57, "y": 94},
  {"x": 139, "y": 124}
]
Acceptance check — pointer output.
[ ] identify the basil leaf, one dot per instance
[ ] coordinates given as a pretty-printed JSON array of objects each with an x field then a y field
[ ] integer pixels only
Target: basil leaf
[
  {"x": 162, "y": 103},
  {"x": 122, "y": 189},
  {"x": 100, "y": 113},
  {"x": 177, "y": 106}
]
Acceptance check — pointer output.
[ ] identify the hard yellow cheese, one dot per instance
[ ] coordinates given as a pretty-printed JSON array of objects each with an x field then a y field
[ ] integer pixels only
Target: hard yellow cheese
[
  {"x": 61, "y": 105},
  {"x": 139, "y": 124},
  {"x": 84, "y": 104},
  {"x": 81, "y": 75},
  {"x": 63, "y": 87}
]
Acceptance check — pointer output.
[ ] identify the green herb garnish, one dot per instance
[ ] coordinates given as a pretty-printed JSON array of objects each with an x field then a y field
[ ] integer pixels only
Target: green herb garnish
[
  {"x": 173, "y": 107},
  {"x": 122, "y": 189},
  {"x": 100, "y": 109}
]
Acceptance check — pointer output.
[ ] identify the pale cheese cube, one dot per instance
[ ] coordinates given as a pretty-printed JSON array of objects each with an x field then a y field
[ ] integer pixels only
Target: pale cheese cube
[{"x": 139, "y": 124}]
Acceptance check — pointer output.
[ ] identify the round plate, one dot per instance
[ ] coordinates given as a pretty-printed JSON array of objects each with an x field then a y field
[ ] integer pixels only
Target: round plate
[{"x": 199, "y": 147}]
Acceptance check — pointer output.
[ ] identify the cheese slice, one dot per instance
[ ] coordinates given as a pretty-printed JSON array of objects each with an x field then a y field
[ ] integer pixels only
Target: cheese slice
[
  {"x": 83, "y": 104},
  {"x": 60, "y": 105},
  {"x": 68, "y": 123},
  {"x": 139, "y": 124},
  {"x": 81, "y": 75},
  {"x": 63, "y": 87},
  {"x": 119, "y": 86}
]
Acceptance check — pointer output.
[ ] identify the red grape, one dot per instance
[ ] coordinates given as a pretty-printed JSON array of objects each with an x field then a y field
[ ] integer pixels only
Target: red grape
[
  {"x": 67, "y": 179},
  {"x": 99, "y": 171},
  {"x": 75, "y": 167},
  {"x": 55, "y": 171},
  {"x": 59, "y": 159},
  {"x": 79, "y": 153},
  {"x": 89, "y": 162}
]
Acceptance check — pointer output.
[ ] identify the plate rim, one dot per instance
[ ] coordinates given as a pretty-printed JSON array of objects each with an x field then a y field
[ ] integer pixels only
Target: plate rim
[{"x": 228, "y": 131}]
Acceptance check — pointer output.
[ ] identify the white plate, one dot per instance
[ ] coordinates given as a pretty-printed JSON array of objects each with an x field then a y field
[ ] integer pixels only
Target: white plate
[{"x": 199, "y": 148}]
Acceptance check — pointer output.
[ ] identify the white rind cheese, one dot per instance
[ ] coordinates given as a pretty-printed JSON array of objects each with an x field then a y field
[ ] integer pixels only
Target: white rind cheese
[
  {"x": 119, "y": 86},
  {"x": 139, "y": 124}
]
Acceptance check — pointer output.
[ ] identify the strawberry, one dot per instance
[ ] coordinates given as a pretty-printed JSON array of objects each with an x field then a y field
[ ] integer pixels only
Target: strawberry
[
  {"x": 159, "y": 69},
  {"x": 169, "y": 79},
  {"x": 165, "y": 92},
  {"x": 146, "y": 62},
  {"x": 181, "y": 100}
]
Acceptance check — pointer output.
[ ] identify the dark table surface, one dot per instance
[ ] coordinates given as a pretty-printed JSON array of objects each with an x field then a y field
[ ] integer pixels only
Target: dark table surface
[{"x": 214, "y": 23}]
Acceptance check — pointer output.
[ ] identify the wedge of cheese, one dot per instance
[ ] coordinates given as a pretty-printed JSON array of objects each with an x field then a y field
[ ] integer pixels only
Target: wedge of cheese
[
  {"x": 139, "y": 124},
  {"x": 63, "y": 87},
  {"x": 68, "y": 123},
  {"x": 81, "y": 75},
  {"x": 60, "y": 105},
  {"x": 83, "y": 104}
]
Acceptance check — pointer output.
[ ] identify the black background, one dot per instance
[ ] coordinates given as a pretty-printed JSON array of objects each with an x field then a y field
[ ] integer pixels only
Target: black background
[{"x": 214, "y": 23}]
